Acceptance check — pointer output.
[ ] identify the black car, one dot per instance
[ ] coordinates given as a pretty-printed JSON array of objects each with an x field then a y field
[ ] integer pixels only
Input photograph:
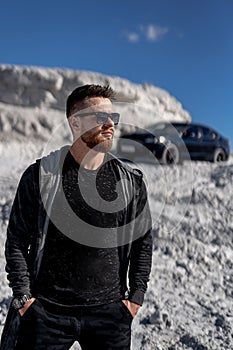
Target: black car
[{"x": 175, "y": 142}]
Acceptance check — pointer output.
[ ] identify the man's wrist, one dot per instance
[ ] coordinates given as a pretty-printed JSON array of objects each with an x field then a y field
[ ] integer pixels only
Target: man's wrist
[{"x": 19, "y": 301}]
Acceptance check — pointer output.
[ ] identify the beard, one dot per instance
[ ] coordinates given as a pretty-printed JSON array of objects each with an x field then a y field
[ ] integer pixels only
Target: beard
[{"x": 95, "y": 142}]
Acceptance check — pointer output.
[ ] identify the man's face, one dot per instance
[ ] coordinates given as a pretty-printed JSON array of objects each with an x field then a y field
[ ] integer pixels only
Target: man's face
[{"x": 96, "y": 136}]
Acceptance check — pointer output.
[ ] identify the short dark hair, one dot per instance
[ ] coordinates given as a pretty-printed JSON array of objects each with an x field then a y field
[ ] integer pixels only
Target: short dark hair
[{"x": 85, "y": 91}]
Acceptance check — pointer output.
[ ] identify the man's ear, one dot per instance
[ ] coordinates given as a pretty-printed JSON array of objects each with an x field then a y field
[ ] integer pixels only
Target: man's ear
[{"x": 74, "y": 122}]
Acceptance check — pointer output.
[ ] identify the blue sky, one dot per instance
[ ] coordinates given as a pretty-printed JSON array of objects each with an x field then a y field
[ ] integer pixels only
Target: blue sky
[{"x": 183, "y": 46}]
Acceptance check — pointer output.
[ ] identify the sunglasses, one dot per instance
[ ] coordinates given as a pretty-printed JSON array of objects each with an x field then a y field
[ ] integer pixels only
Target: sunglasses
[{"x": 101, "y": 117}]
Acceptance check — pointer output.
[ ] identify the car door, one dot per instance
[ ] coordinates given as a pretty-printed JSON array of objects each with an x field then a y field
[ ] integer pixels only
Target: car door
[
  {"x": 208, "y": 142},
  {"x": 191, "y": 137}
]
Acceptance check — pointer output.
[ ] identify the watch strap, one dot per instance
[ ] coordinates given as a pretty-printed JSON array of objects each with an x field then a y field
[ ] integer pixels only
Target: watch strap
[{"x": 19, "y": 302}]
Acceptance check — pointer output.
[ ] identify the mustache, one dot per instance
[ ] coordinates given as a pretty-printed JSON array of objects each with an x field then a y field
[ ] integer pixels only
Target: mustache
[{"x": 98, "y": 132}]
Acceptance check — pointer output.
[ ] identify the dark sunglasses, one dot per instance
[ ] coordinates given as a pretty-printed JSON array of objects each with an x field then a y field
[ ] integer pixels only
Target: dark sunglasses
[{"x": 102, "y": 117}]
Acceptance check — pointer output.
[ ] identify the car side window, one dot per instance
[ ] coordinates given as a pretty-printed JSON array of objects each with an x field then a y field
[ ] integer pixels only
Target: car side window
[
  {"x": 209, "y": 134},
  {"x": 191, "y": 133}
]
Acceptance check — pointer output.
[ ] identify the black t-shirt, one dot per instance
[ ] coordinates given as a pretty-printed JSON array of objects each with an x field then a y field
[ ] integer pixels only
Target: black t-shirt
[{"x": 73, "y": 273}]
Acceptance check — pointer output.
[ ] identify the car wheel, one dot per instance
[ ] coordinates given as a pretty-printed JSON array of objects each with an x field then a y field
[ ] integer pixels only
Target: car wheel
[
  {"x": 170, "y": 155},
  {"x": 219, "y": 155}
]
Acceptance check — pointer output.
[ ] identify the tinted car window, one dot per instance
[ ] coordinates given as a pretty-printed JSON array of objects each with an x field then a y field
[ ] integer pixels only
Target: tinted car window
[
  {"x": 191, "y": 133},
  {"x": 180, "y": 129},
  {"x": 208, "y": 134}
]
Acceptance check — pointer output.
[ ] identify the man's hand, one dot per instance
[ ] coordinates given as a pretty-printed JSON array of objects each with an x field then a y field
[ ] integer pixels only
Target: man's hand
[
  {"x": 26, "y": 306},
  {"x": 133, "y": 308}
]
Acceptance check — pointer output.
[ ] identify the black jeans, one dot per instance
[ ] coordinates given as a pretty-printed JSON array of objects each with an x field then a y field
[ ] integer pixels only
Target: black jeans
[{"x": 102, "y": 327}]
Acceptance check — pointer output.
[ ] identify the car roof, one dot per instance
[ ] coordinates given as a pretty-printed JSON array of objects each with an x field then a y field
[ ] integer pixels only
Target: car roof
[
  {"x": 192, "y": 124},
  {"x": 185, "y": 124}
]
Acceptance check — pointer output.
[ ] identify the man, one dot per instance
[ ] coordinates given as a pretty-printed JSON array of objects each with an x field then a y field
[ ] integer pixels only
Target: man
[{"x": 79, "y": 227}]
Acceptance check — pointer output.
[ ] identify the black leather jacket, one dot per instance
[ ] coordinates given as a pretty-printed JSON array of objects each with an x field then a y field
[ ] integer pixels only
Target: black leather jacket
[{"x": 28, "y": 226}]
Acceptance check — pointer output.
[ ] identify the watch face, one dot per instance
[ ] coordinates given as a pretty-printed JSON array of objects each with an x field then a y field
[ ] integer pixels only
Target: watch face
[{"x": 16, "y": 304}]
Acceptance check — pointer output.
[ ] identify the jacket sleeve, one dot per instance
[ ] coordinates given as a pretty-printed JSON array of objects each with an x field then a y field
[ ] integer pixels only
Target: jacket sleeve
[
  {"x": 141, "y": 250},
  {"x": 21, "y": 226}
]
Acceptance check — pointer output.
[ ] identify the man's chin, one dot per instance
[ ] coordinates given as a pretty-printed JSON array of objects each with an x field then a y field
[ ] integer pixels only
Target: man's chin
[
  {"x": 103, "y": 147},
  {"x": 100, "y": 147}
]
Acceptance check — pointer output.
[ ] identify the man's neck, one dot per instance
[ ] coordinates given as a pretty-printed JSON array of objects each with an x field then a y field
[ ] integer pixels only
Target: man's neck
[{"x": 86, "y": 157}]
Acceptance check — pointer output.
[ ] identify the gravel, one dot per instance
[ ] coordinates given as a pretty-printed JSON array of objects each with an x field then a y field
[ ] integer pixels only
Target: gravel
[{"x": 189, "y": 300}]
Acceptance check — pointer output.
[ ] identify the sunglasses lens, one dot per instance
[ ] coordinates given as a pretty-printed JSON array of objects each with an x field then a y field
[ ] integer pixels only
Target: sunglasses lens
[
  {"x": 102, "y": 117},
  {"x": 115, "y": 118}
]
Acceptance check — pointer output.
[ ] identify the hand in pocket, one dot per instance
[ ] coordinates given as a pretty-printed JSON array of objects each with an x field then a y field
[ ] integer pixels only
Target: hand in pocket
[
  {"x": 26, "y": 306},
  {"x": 133, "y": 308}
]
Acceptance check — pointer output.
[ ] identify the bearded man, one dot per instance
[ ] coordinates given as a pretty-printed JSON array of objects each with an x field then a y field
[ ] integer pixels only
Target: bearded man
[{"x": 79, "y": 245}]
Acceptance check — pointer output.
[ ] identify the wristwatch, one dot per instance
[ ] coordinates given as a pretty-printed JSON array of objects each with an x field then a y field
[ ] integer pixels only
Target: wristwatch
[{"x": 19, "y": 302}]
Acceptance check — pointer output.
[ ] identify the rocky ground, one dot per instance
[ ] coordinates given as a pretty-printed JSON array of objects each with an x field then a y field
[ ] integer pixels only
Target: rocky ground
[{"x": 189, "y": 301}]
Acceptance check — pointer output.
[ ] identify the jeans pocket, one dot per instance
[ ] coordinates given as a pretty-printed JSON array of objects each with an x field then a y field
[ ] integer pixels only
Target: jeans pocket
[{"x": 126, "y": 310}]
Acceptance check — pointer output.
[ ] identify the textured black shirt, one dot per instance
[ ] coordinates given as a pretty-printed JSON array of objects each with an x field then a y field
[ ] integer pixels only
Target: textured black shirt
[{"x": 73, "y": 273}]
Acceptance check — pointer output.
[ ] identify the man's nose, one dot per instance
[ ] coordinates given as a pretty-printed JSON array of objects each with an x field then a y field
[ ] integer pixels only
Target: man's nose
[{"x": 109, "y": 122}]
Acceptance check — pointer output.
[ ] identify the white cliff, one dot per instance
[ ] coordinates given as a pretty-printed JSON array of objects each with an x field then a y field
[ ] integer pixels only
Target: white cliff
[{"x": 32, "y": 100}]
